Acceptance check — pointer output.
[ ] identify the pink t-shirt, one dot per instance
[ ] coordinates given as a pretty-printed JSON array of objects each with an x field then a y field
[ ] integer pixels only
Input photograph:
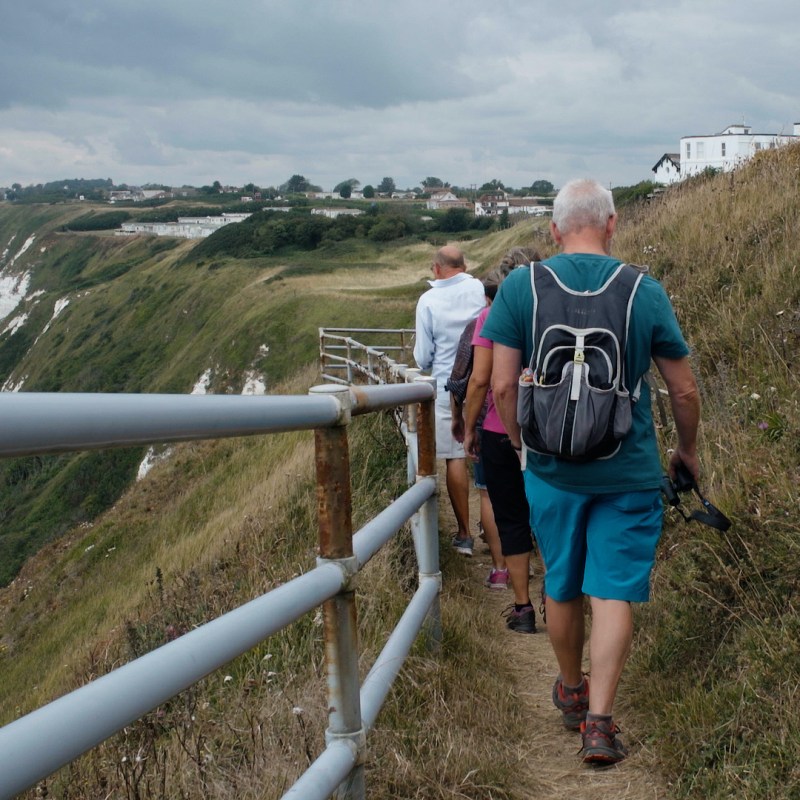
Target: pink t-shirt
[{"x": 492, "y": 421}]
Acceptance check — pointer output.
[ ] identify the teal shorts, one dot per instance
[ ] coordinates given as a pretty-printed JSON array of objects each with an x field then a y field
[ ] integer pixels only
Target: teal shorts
[{"x": 601, "y": 545}]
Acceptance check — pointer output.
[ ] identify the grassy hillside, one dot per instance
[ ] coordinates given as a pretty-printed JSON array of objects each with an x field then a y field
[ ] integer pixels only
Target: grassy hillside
[
  {"x": 716, "y": 664},
  {"x": 105, "y": 313},
  {"x": 719, "y": 646}
]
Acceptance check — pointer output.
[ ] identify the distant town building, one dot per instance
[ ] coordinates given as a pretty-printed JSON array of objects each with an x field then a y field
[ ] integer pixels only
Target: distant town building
[
  {"x": 668, "y": 169},
  {"x": 494, "y": 204},
  {"x": 444, "y": 199},
  {"x": 136, "y": 195},
  {"x": 184, "y": 228},
  {"x": 332, "y": 213},
  {"x": 720, "y": 151}
]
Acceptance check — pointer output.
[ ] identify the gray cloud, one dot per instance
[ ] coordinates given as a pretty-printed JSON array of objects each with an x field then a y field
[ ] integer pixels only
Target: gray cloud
[{"x": 189, "y": 92}]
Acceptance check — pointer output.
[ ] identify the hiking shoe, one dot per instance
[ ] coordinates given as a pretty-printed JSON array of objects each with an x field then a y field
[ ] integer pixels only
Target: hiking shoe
[
  {"x": 498, "y": 579},
  {"x": 463, "y": 546},
  {"x": 573, "y": 705},
  {"x": 523, "y": 621},
  {"x": 600, "y": 743}
]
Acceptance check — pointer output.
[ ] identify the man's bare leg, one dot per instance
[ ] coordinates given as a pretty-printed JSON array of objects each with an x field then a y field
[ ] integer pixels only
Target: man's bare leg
[
  {"x": 609, "y": 647},
  {"x": 565, "y": 626}
]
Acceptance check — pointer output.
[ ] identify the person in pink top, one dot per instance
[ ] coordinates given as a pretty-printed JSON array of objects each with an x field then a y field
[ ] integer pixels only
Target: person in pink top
[{"x": 489, "y": 442}]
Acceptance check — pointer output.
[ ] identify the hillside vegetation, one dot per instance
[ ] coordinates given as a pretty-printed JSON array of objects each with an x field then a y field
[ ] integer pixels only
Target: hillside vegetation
[
  {"x": 112, "y": 314},
  {"x": 716, "y": 665}
]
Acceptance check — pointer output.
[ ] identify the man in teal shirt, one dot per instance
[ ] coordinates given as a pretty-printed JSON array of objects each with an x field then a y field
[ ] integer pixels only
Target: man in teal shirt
[{"x": 597, "y": 523}]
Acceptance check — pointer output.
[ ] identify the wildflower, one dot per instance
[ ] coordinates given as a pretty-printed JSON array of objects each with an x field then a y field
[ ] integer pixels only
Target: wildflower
[
  {"x": 763, "y": 426},
  {"x": 297, "y": 711},
  {"x": 755, "y": 396}
]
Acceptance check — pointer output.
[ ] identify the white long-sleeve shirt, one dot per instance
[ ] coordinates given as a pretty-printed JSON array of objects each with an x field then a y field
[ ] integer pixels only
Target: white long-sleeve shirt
[{"x": 442, "y": 313}]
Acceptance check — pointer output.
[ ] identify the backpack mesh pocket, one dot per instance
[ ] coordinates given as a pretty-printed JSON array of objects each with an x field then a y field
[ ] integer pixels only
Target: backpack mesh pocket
[{"x": 555, "y": 423}]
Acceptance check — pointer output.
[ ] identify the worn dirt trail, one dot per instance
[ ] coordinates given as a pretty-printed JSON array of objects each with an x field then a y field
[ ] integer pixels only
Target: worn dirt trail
[{"x": 553, "y": 761}]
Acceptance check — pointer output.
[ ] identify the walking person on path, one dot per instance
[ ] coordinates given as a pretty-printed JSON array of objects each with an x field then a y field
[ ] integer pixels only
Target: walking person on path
[
  {"x": 489, "y": 442},
  {"x": 597, "y": 522},
  {"x": 453, "y": 300}
]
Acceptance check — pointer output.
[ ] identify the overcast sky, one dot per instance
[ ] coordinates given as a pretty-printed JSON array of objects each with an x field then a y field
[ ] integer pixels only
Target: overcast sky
[{"x": 192, "y": 91}]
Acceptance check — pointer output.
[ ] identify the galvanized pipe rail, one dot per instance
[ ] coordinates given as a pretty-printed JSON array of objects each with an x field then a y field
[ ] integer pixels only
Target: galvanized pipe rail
[
  {"x": 34, "y": 746},
  {"x": 350, "y": 358}
]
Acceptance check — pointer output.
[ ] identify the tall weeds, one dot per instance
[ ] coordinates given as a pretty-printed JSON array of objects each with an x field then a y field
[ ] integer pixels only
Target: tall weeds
[{"x": 717, "y": 665}]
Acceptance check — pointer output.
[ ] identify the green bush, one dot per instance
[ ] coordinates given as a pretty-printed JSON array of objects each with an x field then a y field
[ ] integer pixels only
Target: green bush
[{"x": 98, "y": 222}]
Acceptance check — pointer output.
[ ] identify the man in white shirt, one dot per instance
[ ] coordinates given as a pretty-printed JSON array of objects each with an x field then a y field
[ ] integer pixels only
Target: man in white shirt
[{"x": 442, "y": 312}]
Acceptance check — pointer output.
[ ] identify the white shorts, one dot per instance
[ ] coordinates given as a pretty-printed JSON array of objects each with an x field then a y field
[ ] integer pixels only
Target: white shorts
[{"x": 446, "y": 445}]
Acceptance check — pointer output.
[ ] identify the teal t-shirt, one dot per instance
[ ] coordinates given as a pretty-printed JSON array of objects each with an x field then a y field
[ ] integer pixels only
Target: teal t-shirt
[{"x": 653, "y": 331}]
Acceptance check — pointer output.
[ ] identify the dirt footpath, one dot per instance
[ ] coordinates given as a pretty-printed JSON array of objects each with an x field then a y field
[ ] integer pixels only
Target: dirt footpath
[{"x": 552, "y": 751}]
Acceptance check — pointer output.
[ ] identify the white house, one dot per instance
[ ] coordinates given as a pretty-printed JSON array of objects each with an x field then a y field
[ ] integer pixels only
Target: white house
[
  {"x": 728, "y": 149},
  {"x": 332, "y": 213},
  {"x": 493, "y": 205},
  {"x": 443, "y": 198},
  {"x": 184, "y": 228},
  {"x": 668, "y": 169}
]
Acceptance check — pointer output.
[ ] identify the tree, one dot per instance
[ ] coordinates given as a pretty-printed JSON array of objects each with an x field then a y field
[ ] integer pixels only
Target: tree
[
  {"x": 369, "y": 191},
  {"x": 353, "y": 183},
  {"x": 386, "y": 186},
  {"x": 295, "y": 185},
  {"x": 433, "y": 183},
  {"x": 454, "y": 220},
  {"x": 346, "y": 191},
  {"x": 494, "y": 185},
  {"x": 542, "y": 187}
]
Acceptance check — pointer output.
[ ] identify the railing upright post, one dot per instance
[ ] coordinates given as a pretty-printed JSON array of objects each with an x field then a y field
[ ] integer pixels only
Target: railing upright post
[
  {"x": 411, "y": 374},
  {"x": 334, "y": 507},
  {"x": 427, "y": 530},
  {"x": 349, "y": 360}
]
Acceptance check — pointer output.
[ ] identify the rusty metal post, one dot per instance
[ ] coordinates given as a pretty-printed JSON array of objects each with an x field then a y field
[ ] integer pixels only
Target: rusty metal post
[
  {"x": 340, "y": 620},
  {"x": 427, "y": 528}
]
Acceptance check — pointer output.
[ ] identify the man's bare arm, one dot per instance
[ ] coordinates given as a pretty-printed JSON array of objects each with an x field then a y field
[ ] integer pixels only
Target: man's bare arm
[{"x": 684, "y": 398}]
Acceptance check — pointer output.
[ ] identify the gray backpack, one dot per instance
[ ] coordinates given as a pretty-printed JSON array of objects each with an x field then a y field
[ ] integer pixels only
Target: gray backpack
[{"x": 574, "y": 401}]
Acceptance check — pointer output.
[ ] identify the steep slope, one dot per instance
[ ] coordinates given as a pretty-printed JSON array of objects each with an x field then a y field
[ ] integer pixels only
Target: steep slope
[{"x": 97, "y": 312}]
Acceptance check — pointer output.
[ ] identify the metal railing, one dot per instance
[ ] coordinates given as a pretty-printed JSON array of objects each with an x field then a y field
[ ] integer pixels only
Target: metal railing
[
  {"x": 371, "y": 358},
  {"x": 36, "y": 745}
]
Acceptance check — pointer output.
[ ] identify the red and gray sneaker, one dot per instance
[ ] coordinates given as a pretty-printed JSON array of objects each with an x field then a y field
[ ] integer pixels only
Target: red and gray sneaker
[
  {"x": 601, "y": 745},
  {"x": 497, "y": 579},
  {"x": 572, "y": 703}
]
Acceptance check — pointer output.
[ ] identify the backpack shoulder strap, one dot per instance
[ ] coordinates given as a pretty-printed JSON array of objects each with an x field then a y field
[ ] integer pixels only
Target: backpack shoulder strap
[
  {"x": 535, "y": 266},
  {"x": 630, "y": 276}
]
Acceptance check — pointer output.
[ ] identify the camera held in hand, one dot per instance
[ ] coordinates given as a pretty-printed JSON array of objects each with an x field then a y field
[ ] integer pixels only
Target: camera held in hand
[{"x": 684, "y": 482}]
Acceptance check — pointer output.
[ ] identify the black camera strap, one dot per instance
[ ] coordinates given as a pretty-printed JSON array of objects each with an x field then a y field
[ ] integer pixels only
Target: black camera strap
[{"x": 710, "y": 516}]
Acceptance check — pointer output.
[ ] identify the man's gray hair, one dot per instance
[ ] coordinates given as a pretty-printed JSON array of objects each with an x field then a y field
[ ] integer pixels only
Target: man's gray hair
[{"x": 582, "y": 203}]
